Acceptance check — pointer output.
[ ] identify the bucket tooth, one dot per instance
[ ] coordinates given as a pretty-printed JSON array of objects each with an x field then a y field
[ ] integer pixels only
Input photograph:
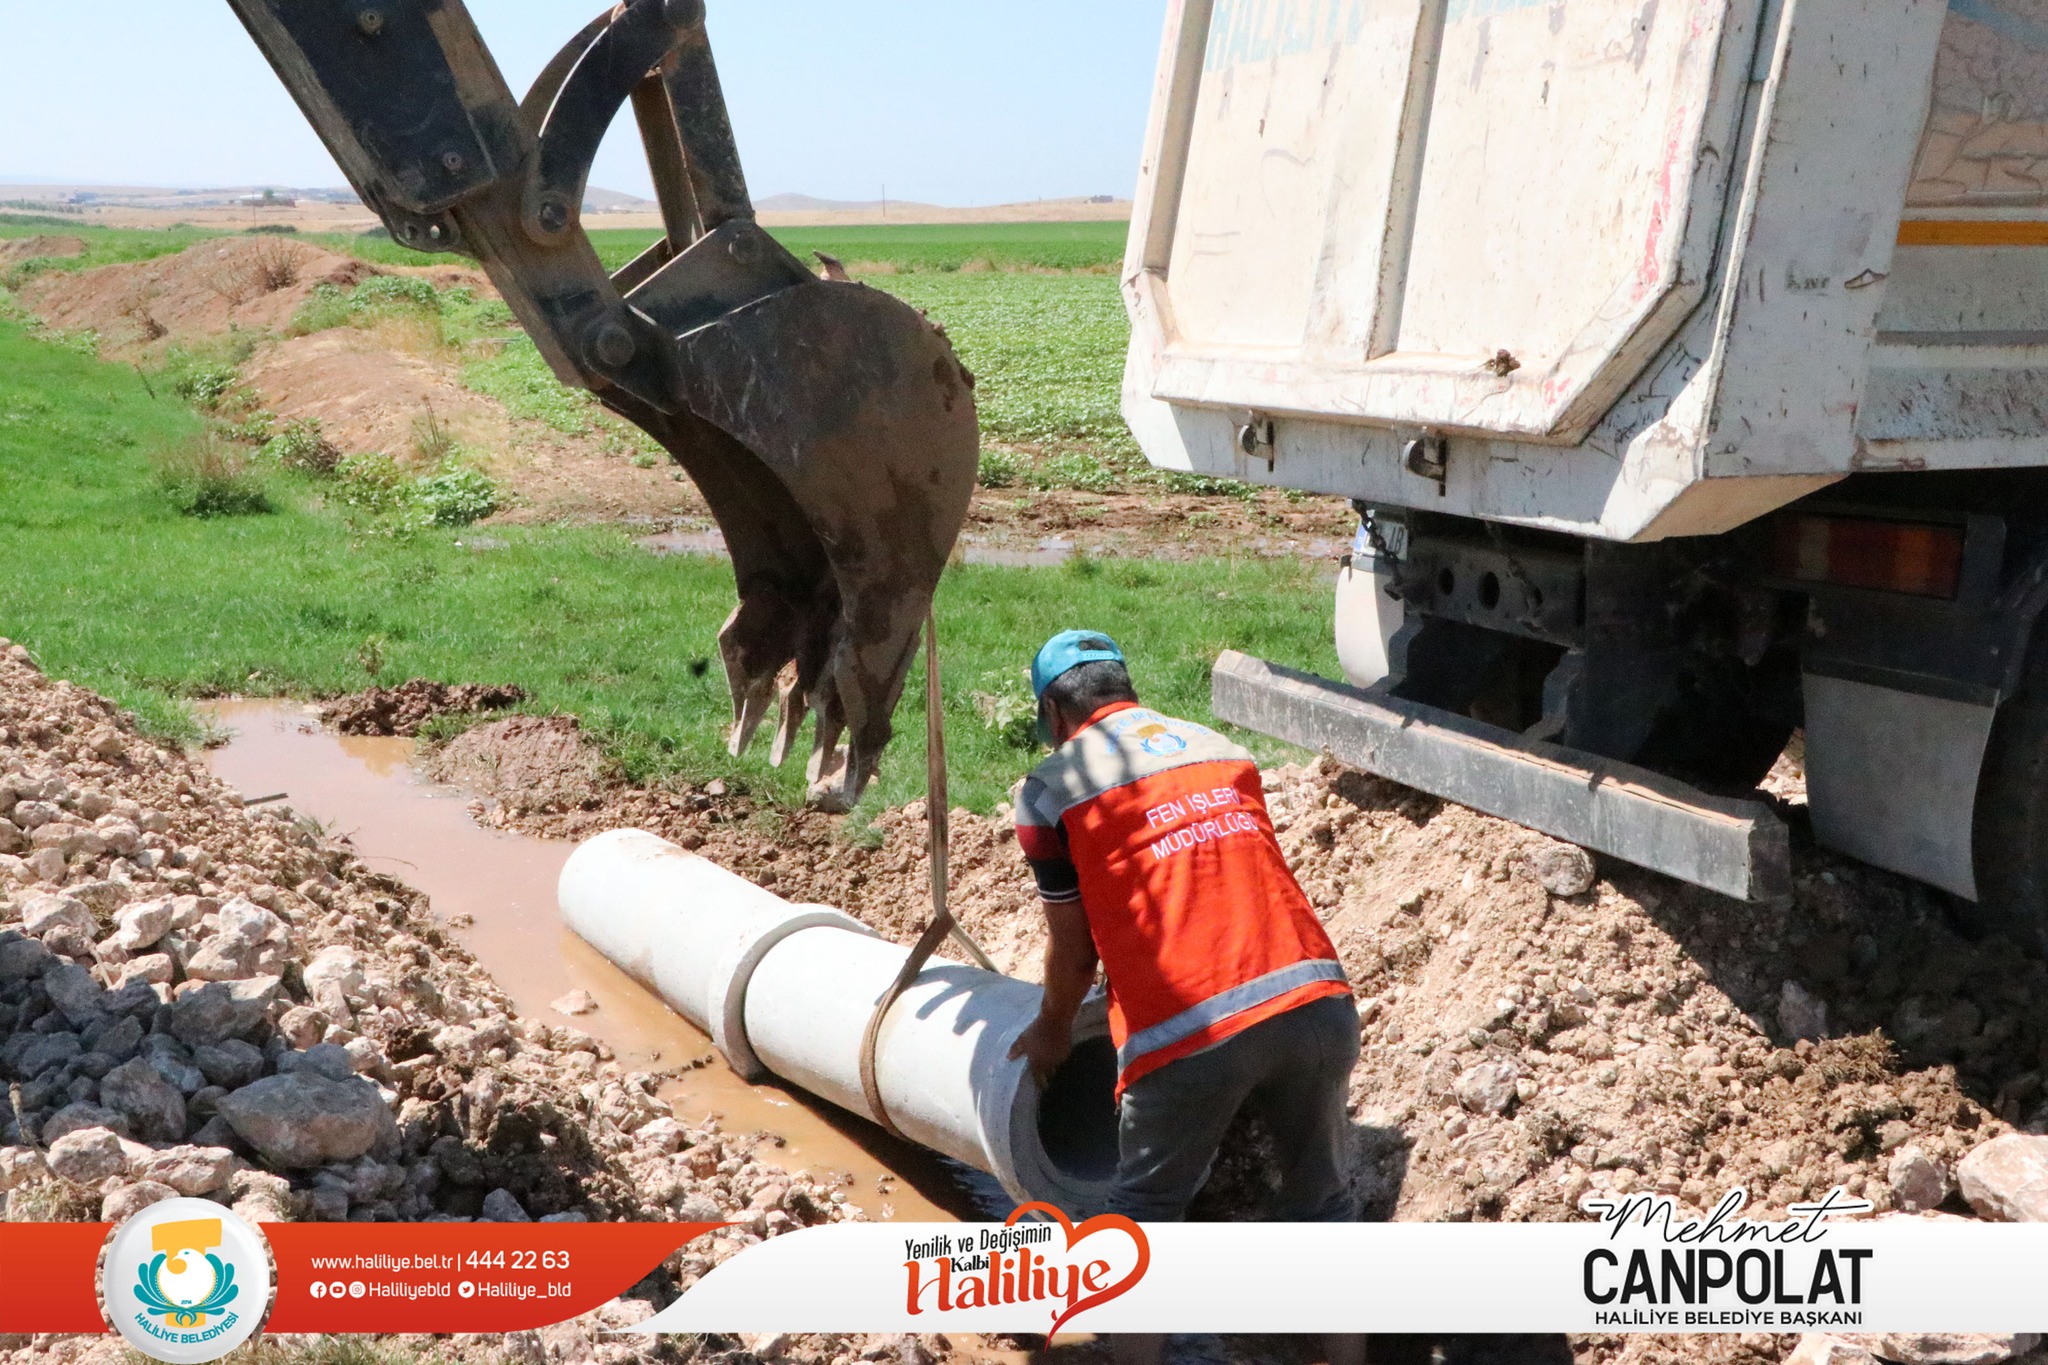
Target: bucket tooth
[{"x": 794, "y": 706}]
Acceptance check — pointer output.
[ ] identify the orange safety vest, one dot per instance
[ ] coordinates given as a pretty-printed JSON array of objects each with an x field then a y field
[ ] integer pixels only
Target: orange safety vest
[{"x": 1159, "y": 828}]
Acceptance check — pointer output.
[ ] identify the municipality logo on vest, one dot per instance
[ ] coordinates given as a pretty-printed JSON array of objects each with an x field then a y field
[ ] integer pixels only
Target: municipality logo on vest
[{"x": 186, "y": 1281}]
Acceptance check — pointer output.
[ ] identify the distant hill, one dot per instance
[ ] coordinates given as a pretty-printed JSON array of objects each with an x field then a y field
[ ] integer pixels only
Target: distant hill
[
  {"x": 809, "y": 203},
  {"x": 596, "y": 200}
]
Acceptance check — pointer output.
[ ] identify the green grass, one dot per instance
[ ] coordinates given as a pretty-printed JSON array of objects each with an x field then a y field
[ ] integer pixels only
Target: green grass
[
  {"x": 110, "y": 586},
  {"x": 1047, "y": 348},
  {"x": 103, "y": 245},
  {"x": 1047, "y": 352},
  {"x": 908, "y": 246},
  {"x": 943, "y": 247}
]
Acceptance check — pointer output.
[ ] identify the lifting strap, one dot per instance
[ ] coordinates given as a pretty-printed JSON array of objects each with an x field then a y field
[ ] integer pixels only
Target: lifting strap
[{"x": 943, "y": 924}]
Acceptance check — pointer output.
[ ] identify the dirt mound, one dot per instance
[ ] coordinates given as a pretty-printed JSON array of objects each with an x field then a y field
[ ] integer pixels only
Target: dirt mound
[
  {"x": 367, "y": 394},
  {"x": 211, "y": 287},
  {"x": 370, "y": 390},
  {"x": 403, "y": 709},
  {"x": 540, "y": 764},
  {"x": 15, "y": 250},
  {"x": 254, "y": 283},
  {"x": 1528, "y": 1043}
]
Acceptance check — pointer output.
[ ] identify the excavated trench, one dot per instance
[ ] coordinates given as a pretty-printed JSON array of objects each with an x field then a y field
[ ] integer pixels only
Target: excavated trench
[{"x": 496, "y": 893}]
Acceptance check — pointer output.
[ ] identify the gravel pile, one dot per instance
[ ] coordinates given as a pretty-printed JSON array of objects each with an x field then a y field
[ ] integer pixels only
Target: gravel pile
[{"x": 201, "y": 999}]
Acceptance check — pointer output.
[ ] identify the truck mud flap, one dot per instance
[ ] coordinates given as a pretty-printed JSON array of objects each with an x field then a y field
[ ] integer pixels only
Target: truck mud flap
[{"x": 1739, "y": 848}]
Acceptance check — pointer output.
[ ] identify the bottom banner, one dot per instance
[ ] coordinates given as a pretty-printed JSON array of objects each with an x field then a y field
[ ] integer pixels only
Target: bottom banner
[
  {"x": 1642, "y": 1267},
  {"x": 186, "y": 1280}
]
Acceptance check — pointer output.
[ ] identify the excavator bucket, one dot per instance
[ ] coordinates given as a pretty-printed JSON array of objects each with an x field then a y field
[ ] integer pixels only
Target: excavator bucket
[{"x": 829, "y": 426}]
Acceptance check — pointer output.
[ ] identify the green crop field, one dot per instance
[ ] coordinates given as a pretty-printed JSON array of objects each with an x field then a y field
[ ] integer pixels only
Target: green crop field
[
  {"x": 103, "y": 246},
  {"x": 111, "y": 585},
  {"x": 1033, "y": 308},
  {"x": 1095, "y": 247}
]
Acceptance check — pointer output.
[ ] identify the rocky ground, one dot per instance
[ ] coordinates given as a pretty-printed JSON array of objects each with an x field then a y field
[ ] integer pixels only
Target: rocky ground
[
  {"x": 1538, "y": 1026},
  {"x": 199, "y": 998}
]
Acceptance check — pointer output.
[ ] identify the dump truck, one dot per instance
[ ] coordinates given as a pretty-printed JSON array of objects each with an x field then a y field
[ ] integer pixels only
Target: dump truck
[{"x": 1687, "y": 361}]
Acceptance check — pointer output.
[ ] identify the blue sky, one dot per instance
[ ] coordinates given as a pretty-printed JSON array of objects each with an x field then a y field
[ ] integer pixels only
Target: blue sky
[{"x": 947, "y": 101}]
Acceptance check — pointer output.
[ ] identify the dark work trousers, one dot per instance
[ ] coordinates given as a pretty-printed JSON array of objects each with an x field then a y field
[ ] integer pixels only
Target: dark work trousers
[{"x": 1294, "y": 1069}]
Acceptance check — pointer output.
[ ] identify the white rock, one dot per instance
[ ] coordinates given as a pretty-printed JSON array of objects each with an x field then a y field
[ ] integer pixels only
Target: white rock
[
  {"x": 142, "y": 924},
  {"x": 302, "y": 1026},
  {"x": 189, "y": 1170},
  {"x": 1918, "y": 1181},
  {"x": 248, "y": 924},
  {"x": 129, "y": 1200},
  {"x": 663, "y": 1135},
  {"x": 456, "y": 1043},
  {"x": 575, "y": 1003},
  {"x": 154, "y": 968},
  {"x": 1488, "y": 1088},
  {"x": 223, "y": 957},
  {"x": 88, "y": 1156},
  {"x": 337, "y": 964},
  {"x": 696, "y": 1208},
  {"x": 2006, "y": 1179},
  {"x": 44, "y": 913},
  {"x": 367, "y": 1057},
  {"x": 18, "y": 1164}
]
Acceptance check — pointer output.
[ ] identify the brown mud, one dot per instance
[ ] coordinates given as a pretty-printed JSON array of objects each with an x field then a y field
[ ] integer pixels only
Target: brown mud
[{"x": 404, "y": 709}]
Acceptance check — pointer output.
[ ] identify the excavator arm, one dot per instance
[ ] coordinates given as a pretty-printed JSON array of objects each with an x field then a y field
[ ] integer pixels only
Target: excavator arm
[{"x": 829, "y": 426}]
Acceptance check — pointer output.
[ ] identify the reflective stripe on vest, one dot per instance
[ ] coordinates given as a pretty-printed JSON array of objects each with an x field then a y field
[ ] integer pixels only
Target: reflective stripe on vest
[{"x": 1223, "y": 1004}]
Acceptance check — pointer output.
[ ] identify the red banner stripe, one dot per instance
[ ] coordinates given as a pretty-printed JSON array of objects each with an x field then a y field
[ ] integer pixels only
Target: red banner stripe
[{"x": 49, "y": 1277}]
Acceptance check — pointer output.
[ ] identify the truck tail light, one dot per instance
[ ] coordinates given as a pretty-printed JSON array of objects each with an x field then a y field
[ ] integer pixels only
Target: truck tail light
[{"x": 1923, "y": 559}]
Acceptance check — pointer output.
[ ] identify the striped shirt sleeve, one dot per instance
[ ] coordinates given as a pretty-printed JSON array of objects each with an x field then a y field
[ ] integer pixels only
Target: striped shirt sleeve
[{"x": 1042, "y": 838}]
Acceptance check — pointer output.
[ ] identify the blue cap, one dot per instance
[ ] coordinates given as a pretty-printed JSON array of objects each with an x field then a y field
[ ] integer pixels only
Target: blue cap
[{"x": 1068, "y": 650}]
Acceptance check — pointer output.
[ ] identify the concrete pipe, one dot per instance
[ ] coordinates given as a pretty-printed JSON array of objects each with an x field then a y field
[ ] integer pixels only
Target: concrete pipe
[{"x": 786, "y": 990}]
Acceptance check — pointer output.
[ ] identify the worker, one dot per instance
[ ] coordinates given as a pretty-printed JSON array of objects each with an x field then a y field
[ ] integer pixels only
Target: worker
[{"x": 1154, "y": 855}]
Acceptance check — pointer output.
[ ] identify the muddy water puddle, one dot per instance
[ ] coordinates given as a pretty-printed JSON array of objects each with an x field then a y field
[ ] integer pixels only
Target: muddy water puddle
[{"x": 496, "y": 891}]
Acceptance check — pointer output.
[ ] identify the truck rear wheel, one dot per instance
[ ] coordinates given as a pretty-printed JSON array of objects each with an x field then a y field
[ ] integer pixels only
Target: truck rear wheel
[{"x": 2011, "y": 835}]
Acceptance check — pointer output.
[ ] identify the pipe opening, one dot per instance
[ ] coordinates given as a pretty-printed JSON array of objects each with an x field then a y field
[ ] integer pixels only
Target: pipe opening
[{"x": 1077, "y": 1113}]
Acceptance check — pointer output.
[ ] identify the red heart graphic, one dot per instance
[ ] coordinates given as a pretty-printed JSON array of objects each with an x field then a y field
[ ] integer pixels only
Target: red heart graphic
[{"x": 1101, "y": 1222}]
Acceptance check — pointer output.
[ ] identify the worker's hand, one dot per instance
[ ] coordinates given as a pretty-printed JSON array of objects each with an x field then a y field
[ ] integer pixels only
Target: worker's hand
[{"x": 1044, "y": 1045}]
